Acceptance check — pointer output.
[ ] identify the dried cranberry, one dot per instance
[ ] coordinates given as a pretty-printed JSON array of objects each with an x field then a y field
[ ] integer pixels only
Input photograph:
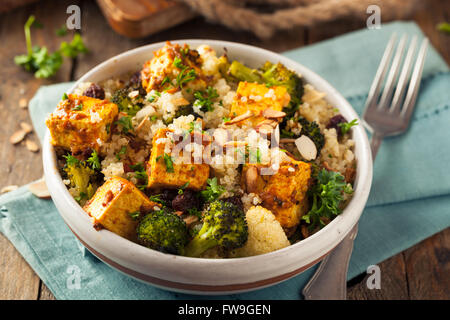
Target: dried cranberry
[
  {"x": 185, "y": 201},
  {"x": 167, "y": 195},
  {"x": 135, "y": 79},
  {"x": 94, "y": 91},
  {"x": 334, "y": 123}
]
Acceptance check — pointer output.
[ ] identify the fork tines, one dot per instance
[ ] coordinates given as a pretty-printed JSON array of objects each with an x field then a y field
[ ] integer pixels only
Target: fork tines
[{"x": 401, "y": 104}]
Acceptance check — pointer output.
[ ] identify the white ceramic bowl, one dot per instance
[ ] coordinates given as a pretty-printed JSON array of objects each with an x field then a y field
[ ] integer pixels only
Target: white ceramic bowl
[{"x": 212, "y": 276}]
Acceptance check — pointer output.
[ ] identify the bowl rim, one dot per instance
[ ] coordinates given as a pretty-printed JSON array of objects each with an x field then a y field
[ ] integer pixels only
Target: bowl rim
[{"x": 341, "y": 225}]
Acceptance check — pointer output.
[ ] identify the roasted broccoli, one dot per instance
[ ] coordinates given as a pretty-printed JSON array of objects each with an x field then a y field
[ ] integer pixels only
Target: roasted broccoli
[
  {"x": 312, "y": 130},
  {"x": 81, "y": 177},
  {"x": 279, "y": 75},
  {"x": 164, "y": 231},
  {"x": 123, "y": 101},
  {"x": 244, "y": 73},
  {"x": 224, "y": 225}
]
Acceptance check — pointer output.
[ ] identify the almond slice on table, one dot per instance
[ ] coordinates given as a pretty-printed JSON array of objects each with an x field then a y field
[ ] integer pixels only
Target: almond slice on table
[
  {"x": 9, "y": 188},
  {"x": 39, "y": 189},
  {"x": 248, "y": 114},
  {"x": 273, "y": 114},
  {"x": 306, "y": 147},
  {"x": 26, "y": 127},
  {"x": 31, "y": 145},
  {"x": 17, "y": 136}
]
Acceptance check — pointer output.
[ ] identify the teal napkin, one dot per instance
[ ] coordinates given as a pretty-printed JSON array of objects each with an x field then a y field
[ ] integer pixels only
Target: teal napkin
[{"x": 409, "y": 201}]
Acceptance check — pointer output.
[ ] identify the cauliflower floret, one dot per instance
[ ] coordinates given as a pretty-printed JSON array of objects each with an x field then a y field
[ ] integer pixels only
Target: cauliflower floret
[{"x": 265, "y": 233}]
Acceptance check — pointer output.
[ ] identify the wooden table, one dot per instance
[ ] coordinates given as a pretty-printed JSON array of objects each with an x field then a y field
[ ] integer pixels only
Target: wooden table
[{"x": 421, "y": 272}]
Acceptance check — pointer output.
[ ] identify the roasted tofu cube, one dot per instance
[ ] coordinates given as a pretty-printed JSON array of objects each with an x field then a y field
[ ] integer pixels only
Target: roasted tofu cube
[
  {"x": 257, "y": 98},
  {"x": 116, "y": 205},
  {"x": 283, "y": 192},
  {"x": 81, "y": 123},
  {"x": 165, "y": 172},
  {"x": 173, "y": 67}
]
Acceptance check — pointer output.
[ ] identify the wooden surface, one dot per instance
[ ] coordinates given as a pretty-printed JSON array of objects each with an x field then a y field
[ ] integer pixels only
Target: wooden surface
[{"x": 421, "y": 272}]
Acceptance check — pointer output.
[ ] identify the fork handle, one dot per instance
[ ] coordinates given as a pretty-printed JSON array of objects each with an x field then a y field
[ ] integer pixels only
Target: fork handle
[
  {"x": 375, "y": 143},
  {"x": 330, "y": 280}
]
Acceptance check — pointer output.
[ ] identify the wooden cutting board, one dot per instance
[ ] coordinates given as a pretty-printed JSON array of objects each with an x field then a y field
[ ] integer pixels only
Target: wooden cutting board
[{"x": 140, "y": 18}]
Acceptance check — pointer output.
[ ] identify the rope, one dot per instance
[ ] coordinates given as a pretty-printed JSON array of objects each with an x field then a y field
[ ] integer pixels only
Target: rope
[{"x": 289, "y": 14}]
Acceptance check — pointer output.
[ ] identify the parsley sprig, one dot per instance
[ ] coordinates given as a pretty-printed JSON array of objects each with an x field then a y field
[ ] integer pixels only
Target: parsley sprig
[
  {"x": 185, "y": 74},
  {"x": 40, "y": 61},
  {"x": 346, "y": 126},
  {"x": 213, "y": 190},
  {"x": 205, "y": 99}
]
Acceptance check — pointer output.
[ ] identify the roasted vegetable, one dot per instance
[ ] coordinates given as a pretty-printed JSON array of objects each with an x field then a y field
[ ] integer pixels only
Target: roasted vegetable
[
  {"x": 224, "y": 225},
  {"x": 163, "y": 231},
  {"x": 312, "y": 130},
  {"x": 244, "y": 73},
  {"x": 124, "y": 102},
  {"x": 81, "y": 177},
  {"x": 327, "y": 197},
  {"x": 279, "y": 75}
]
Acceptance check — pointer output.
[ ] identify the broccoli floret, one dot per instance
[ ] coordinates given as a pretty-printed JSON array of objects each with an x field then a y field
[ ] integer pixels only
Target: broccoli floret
[
  {"x": 224, "y": 225},
  {"x": 181, "y": 111},
  {"x": 312, "y": 130},
  {"x": 123, "y": 101},
  {"x": 279, "y": 75},
  {"x": 164, "y": 231},
  {"x": 80, "y": 176},
  {"x": 244, "y": 73}
]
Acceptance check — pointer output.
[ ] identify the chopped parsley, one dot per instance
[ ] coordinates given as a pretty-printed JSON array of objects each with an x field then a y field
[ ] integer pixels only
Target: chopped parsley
[
  {"x": 78, "y": 107},
  {"x": 185, "y": 75},
  {"x": 169, "y": 163},
  {"x": 212, "y": 191},
  {"x": 126, "y": 123},
  {"x": 157, "y": 198},
  {"x": 134, "y": 215},
  {"x": 346, "y": 126},
  {"x": 94, "y": 161},
  {"x": 204, "y": 99},
  {"x": 71, "y": 160},
  {"x": 140, "y": 174},
  {"x": 65, "y": 96},
  {"x": 184, "y": 186},
  {"x": 121, "y": 152}
]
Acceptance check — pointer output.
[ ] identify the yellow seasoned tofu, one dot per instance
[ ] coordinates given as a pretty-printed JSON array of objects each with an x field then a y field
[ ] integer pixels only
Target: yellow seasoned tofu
[
  {"x": 165, "y": 172},
  {"x": 256, "y": 98},
  {"x": 284, "y": 192},
  {"x": 172, "y": 67},
  {"x": 116, "y": 205},
  {"x": 81, "y": 123}
]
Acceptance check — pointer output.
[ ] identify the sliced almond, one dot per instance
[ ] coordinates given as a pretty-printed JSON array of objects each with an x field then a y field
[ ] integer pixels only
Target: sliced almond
[
  {"x": 251, "y": 179},
  {"x": 17, "y": 136},
  {"x": 180, "y": 102},
  {"x": 235, "y": 144},
  {"x": 31, "y": 145},
  {"x": 9, "y": 188},
  {"x": 23, "y": 103},
  {"x": 142, "y": 123},
  {"x": 189, "y": 220},
  {"x": 26, "y": 127},
  {"x": 248, "y": 114},
  {"x": 273, "y": 114},
  {"x": 39, "y": 189},
  {"x": 306, "y": 147},
  {"x": 264, "y": 129}
]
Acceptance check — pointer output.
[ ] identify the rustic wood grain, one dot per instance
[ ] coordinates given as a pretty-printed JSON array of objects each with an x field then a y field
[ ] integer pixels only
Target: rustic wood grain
[{"x": 419, "y": 273}]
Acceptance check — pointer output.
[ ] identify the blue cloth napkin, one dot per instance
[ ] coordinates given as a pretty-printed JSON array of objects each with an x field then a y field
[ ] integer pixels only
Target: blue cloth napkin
[{"x": 410, "y": 198}]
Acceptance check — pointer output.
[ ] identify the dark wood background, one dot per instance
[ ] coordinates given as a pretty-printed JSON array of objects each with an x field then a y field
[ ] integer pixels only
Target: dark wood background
[{"x": 421, "y": 272}]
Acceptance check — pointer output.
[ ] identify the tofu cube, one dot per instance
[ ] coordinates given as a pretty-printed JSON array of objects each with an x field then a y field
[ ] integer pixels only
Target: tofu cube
[
  {"x": 115, "y": 203},
  {"x": 257, "y": 98},
  {"x": 284, "y": 192},
  {"x": 160, "y": 175},
  {"x": 81, "y": 122}
]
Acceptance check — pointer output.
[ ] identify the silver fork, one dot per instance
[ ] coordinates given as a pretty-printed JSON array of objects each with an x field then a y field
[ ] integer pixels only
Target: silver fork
[{"x": 384, "y": 116}]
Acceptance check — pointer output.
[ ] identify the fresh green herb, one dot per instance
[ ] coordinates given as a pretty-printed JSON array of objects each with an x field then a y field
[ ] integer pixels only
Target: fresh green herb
[
  {"x": 126, "y": 124},
  {"x": 137, "y": 167},
  {"x": 78, "y": 107},
  {"x": 254, "y": 155},
  {"x": 65, "y": 96},
  {"x": 122, "y": 151},
  {"x": 346, "y": 126},
  {"x": 226, "y": 119},
  {"x": 195, "y": 126},
  {"x": 108, "y": 128},
  {"x": 165, "y": 80},
  {"x": 444, "y": 27},
  {"x": 71, "y": 160},
  {"x": 195, "y": 212},
  {"x": 157, "y": 198},
  {"x": 61, "y": 31},
  {"x": 204, "y": 99},
  {"x": 327, "y": 197},
  {"x": 153, "y": 118},
  {"x": 94, "y": 161},
  {"x": 140, "y": 174},
  {"x": 81, "y": 196},
  {"x": 39, "y": 61},
  {"x": 183, "y": 77},
  {"x": 134, "y": 215},
  {"x": 169, "y": 163},
  {"x": 212, "y": 191},
  {"x": 74, "y": 48},
  {"x": 184, "y": 186}
]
